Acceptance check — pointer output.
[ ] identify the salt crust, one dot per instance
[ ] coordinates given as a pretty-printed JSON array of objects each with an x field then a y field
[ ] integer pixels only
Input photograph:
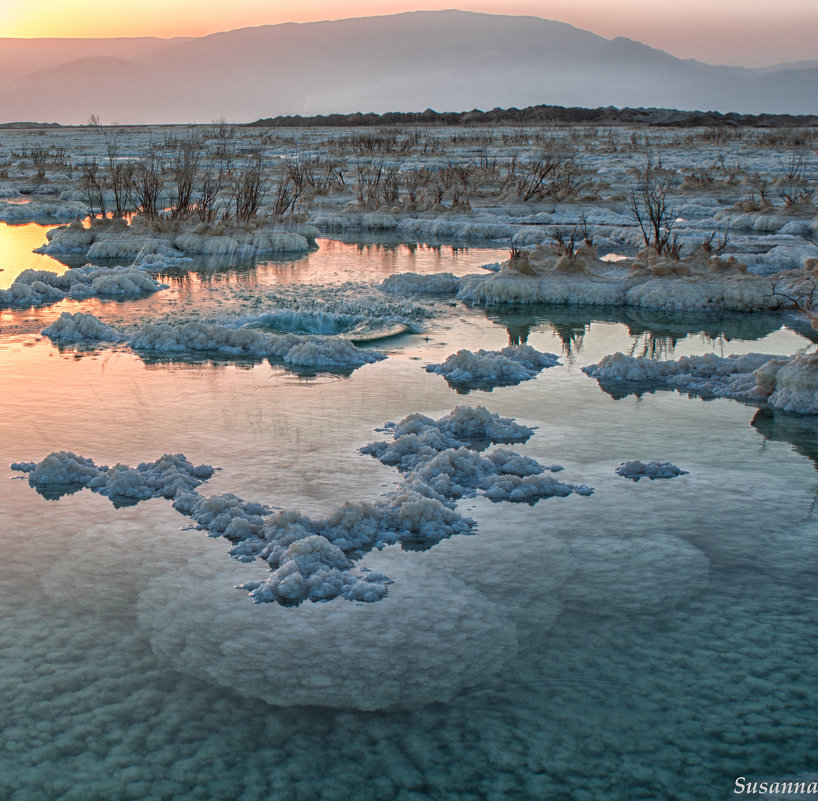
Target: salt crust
[
  {"x": 166, "y": 477},
  {"x": 306, "y": 352},
  {"x": 80, "y": 327},
  {"x": 421, "y": 284},
  {"x": 355, "y": 327},
  {"x": 789, "y": 384},
  {"x": 541, "y": 275},
  {"x": 487, "y": 369},
  {"x": 115, "y": 239},
  {"x": 636, "y": 470},
  {"x": 41, "y": 211},
  {"x": 309, "y": 351},
  {"x": 43, "y": 287},
  {"x": 313, "y": 559}
]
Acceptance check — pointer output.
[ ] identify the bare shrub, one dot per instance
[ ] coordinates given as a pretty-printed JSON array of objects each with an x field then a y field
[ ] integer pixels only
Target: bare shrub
[
  {"x": 184, "y": 169},
  {"x": 650, "y": 205},
  {"x": 90, "y": 184},
  {"x": 558, "y": 177},
  {"x": 711, "y": 245},
  {"x": 247, "y": 190},
  {"x": 147, "y": 182}
]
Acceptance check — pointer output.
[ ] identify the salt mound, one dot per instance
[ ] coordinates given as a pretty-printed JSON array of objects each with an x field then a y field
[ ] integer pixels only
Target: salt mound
[
  {"x": 315, "y": 352},
  {"x": 115, "y": 239},
  {"x": 421, "y": 284},
  {"x": 636, "y": 470},
  {"x": 41, "y": 211},
  {"x": 237, "y": 244},
  {"x": 530, "y": 489},
  {"x": 80, "y": 327},
  {"x": 700, "y": 281},
  {"x": 166, "y": 477},
  {"x": 312, "y": 352},
  {"x": 789, "y": 384},
  {"x": 312, "y": 559},
  {"x": 62, "y": 468},
  {"x": 441, "y": 458},
  {"x": 511, "y": 287},
  {"x": 488, "y": 369},
  {"x": 708, "y": 375},
  {"x": 198, "y": 336},
  {"x": 793, "y": 384},
  {"x": 332, "y": 654},
  {"x": 128, "y": 248},
  {"x": 418, "y": 438},
  {"x": 41, "y": 287}
]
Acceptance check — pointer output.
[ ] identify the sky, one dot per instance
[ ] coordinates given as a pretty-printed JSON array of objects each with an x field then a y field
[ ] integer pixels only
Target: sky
[{"x": 735, "y": 32}]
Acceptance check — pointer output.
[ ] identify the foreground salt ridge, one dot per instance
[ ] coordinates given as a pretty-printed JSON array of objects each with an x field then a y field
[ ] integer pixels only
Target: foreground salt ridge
[
  {"x": 487, "y": 369},
  {"x": 541, "y": 275},
  {"x": 636, "y": 470},
  {"x": 314, "y": 559},
  {"x": 786, "y": 383},
  {"x": 43, "y": 287},
  {"x": 306, "y": 352}
]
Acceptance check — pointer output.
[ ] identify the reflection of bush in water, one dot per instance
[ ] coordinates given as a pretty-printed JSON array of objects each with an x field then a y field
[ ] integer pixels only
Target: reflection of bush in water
[
  {"x": 655, "y": 333},
  {"x": 796, "y": 429}
]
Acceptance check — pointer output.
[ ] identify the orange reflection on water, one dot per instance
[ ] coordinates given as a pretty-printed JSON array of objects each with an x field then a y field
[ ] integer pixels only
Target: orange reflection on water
[{"x": 16, "y": 244}]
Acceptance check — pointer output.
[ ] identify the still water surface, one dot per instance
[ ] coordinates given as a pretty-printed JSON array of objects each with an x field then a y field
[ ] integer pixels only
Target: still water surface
[{"x": 653, "y": 640}]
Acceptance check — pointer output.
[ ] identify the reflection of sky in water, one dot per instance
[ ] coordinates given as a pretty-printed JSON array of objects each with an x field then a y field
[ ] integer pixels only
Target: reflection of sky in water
[
  {"x": 16, "y": 244},
  {"x": 653, "y": 640}
]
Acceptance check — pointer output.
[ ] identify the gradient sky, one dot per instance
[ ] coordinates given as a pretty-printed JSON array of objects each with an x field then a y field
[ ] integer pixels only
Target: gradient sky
[{"x": 739, "y": 32}]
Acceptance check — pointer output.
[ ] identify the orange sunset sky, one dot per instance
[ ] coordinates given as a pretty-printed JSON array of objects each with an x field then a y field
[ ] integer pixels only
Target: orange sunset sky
[{"x": 741, "y": 32}]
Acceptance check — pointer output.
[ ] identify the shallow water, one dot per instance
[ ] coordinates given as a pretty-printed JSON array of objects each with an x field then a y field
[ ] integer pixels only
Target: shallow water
[{"x": 653, "y": 640}]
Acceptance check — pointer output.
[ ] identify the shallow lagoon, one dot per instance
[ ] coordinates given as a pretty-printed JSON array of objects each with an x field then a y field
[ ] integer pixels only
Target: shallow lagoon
[{"x": 653, "y": 640}]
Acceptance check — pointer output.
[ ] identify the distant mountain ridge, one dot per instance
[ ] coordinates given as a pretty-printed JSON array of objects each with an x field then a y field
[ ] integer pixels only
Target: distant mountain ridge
[{"x": 447, "y": 60}]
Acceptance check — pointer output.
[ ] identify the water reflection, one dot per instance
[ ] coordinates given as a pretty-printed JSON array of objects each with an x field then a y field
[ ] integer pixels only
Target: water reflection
[
  {"x": 654, "y": 334},
  {"x": 799, "y": 430}
]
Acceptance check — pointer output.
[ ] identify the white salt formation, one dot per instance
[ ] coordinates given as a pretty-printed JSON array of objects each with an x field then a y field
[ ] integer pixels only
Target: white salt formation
[
  {"x": 41, "y": 211},
  {"x": 64, "y": 471},
  {"x": 309, "y": 352},
  {"x": 789, "y": 384},
  {"x": 636, "y": 470},
  {"x": 314, "y": 559},
  {"x": 418, "y": 438},
  {"x": 42, "y": 287},
  {"x": 792, "y": 384},
  {"x": 487, "y": 369},
  {"x": 78, "y": 328},
  {"x": 107, "y": 239},
  {"x": 421, "y": 284},
  {"x": 441, "y": 458},
  {"x": 700, "y": 281},
  {"x": 355, "y": 327}
]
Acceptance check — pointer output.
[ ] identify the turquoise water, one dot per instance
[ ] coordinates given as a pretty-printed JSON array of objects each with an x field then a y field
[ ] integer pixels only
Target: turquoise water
[{"x": 655, "y": 640}]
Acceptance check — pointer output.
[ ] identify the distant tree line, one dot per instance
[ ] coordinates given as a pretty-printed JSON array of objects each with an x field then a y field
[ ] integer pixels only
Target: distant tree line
[{"x": 547, "y": 115}]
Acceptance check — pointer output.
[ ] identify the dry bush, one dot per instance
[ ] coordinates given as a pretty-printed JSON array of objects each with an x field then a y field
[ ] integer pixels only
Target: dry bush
[{"x": 650, "y": 205}]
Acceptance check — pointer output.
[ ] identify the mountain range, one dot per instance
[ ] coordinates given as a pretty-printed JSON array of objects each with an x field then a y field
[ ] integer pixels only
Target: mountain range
[{"x": 446, "y": 60}]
